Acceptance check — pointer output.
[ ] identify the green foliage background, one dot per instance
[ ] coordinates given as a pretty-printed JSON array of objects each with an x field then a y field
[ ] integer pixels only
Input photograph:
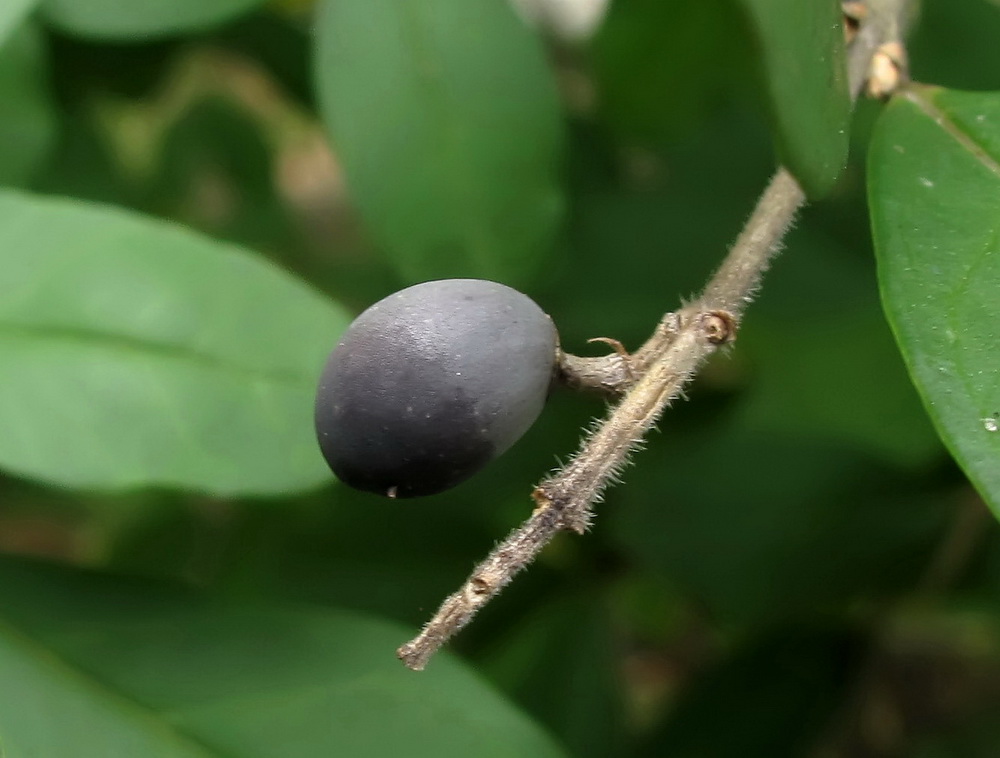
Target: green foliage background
[{"x": 196, "y": 196}]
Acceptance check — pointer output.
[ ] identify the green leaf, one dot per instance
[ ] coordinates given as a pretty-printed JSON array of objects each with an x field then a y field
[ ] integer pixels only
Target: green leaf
[
  {"x": 134, "y": 352},
  {"x": 696, "y": 52},
  {"x": 801, "y": 534},
  {"x": 12, "y": 13},
  {"x": 566, "y": 646},
  {"x": 934, "y": 192},
  {"x": 978, "y": 739},
  {"x": 802, "y": 48},
  {"x": 816, "y": 378},
  {"x": 446, "y": 118},
  {"x": 131, "y": 19},
  {"x": 815, "y": 349},
  {"x": 775, "y": 697},
  {"x": 27, "y": 114},
  {"x": 944, "y": 26},
  {"x": 106, "y": 667},
  {"x": 217, "y": 138}
]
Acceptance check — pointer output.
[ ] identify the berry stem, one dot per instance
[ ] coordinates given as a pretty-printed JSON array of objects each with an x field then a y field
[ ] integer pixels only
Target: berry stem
[{"x": 652, "y": 378}]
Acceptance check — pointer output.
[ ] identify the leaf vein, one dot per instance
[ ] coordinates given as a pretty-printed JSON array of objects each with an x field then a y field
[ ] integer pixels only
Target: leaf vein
[
  {"x": 917, "y": 96},
  {"x": 127, "y": 343},
  {"x": 126, "y": 704}
]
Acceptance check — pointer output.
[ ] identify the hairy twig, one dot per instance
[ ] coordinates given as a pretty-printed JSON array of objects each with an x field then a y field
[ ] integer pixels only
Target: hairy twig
[{"x": 652, "y": 378}]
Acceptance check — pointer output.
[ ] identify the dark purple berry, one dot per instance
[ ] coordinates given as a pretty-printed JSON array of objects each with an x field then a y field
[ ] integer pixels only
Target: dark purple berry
[{"x": 433, "y": 382}]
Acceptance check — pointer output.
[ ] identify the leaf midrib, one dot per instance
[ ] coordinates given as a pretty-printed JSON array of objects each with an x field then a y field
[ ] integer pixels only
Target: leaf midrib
[
  {"x": 918, "y": 95},
  {"x": 132, "y": 708},
  {"x": 127, "y": 343}
]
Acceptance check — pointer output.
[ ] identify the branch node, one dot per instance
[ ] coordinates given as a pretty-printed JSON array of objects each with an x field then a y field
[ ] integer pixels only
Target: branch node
[
  {"x": 607, "y": 374},
  {"x": 479, "y": 586},
  {"x": 888, "y": 71},
  {"x": 855, "y": 12},
  {"x": 621, "y": 352},
  {"x": 670, "y": 324},
  {"x": 566, "y": 516},
  {"x": 542, "y": 500},
  {"x": 719, "y": 326}
]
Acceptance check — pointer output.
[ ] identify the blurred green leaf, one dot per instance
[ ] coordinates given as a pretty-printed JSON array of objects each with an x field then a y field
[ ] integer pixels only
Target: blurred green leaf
[
  {"x": 216, "y": 173},
  {"x": 934, "y": 190},
  {"x": 280, "y": 43},
  {"x": 816, "y": 378},
  {"x": 637, "y": 243},
  {"x": 12, "y": 13},
  {"x": 83, "y": 164},
  {"x": 979, "y": 740},
  {"x": 138, "y": 353},
  {"x": 446, "y": 118},
  {"x": 567, "y": 646},
  {"x": 802, "y": 47},
  {"x": 27, "y": 114},
  {"x": 772, "y": 698},
  {"x": 92, "y": 74},
  {"x": 132, "y": 669},
  {"x": 132, "y": 19},
  {"x": 815, "y": 341},
  {"x": 944, "y": 26},
  {"x": 792, "y": 529},
  {"x": 662, "y": 65},
  {"x": 354, "y": 555}
]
